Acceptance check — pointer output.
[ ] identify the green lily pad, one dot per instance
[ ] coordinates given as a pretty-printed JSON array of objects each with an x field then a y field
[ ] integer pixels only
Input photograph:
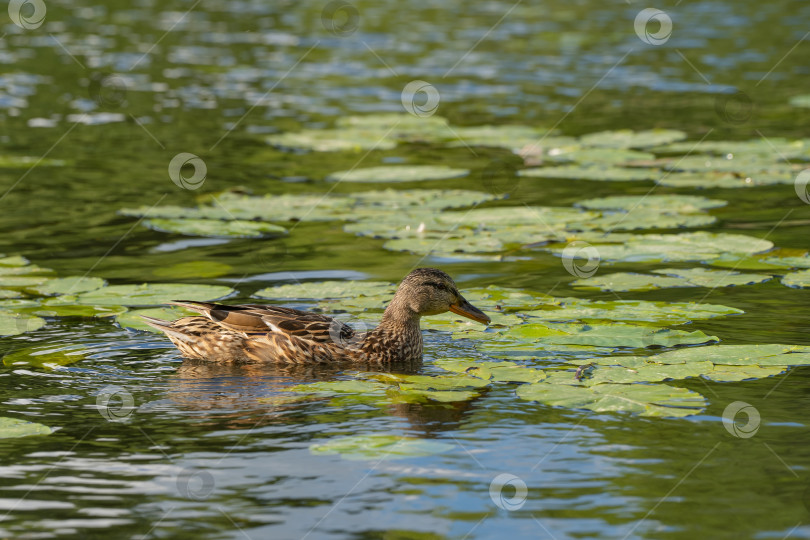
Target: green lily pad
[
  {"x": 6, "y": 293},
  {"x": 12, "y": 324},
  {"x": 754, "y": 262},
  {"x": 21, "y": 281},
  {"x": 601, "y": 174},
  {"x": 513, "y": 137},
  {"x": 328, "y": 289},
  {"x": 599, "y": 156},
  {"x": 647, "y": 373},
  {"x": 674, "y": 277},
  {"x": 147, "y": 294},
  {"x": 675, "y": 204},
  {"x": 133, "y": 318},
  {"x": 67, "y": 285},
  {"x": 342, "y": 387},
  {"x": 717, "y": 180},
  {"x": 45, "y": 356},
  {"x": 682, "y": 247},
  {"x": 742, "y": 373},
  {"x": 802, "y": 100},
  {"x": 213, "y": 228},
  {"x": 379, "y": 447},
  {"x": 67, "y": 310},
  {"x": 771, "y": 148},
  {"x": 14, "y": 427},
  {"x": 644, "y": 399},
  {"x": 802, "y": 261},
  {"x": 14, "y": 260},
  {"x": 333, "y": 140},
  {"x": 398, "y": 173},
  {"x": 495, "y": 371},
  {"x": 799, "y": 279},
  {"x": 565, "y": 309},
  {"x": 605, "y": 335},
  {"x": 737, "y": 355},
  {"x": 23, "y": 270},
  {"x": 626, "y": 138}
]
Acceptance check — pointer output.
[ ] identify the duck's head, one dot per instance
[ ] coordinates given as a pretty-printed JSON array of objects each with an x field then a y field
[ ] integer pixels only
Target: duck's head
[{"x": 428, "y": 291}]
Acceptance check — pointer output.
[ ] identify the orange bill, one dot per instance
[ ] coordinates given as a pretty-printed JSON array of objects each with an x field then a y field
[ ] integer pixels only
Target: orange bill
[{"x": 465, "y": 309}]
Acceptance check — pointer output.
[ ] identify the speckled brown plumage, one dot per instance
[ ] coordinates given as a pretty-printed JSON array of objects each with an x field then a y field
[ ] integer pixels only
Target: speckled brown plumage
[{"x": 262, "y": 333}]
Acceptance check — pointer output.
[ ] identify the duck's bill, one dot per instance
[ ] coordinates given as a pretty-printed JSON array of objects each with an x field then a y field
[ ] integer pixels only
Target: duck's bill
[{"x": 465, "y": 309}]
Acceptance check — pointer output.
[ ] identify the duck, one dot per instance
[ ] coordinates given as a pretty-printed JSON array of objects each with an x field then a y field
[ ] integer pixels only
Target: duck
[{"x": 257, "y": 333}]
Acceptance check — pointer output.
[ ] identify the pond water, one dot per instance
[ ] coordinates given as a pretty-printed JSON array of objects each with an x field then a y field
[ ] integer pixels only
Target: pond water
[{"x": 102, "y": 97}]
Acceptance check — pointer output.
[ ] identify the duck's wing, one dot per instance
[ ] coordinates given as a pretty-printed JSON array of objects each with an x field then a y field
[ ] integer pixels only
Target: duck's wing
[{"x": 261, "y": 319}]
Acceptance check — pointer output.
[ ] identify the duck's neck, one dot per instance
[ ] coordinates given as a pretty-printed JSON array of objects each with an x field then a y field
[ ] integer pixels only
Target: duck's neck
[{"x": 398, "y": 337}]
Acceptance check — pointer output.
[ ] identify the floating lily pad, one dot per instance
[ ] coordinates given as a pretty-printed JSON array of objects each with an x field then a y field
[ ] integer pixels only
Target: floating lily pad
[
  {"x": 333, "y": 140},
  {"x": 644, "y": 399},
  {"x": 328, "y": 289},
  {"x": 737, "y": 355},
  {"x": 14, "y": 427},
  {"x": 21, "y": 281},
  {"x": 67, "y": 285},
  {"x": 626, "y": 138},
  {"x": 693, "y": 246},
  {"x": 503, "y": 136},
  {"x": 802, "y": 100},
  {"x": 715, "y": 180},
  {"x": 772, "y": 148},
  {"x": 615, "y": 335},
  {"x": 675, "y": 204},
  {"x": 45, "y": 356},
  {"x": 563, "y": 309},
  {"x": 601, "y": 174},
  {"x": 398, "y": 173},
  {"x": 133, "y": 319},
  {"x": 500, "y": 371},
  {"x": 14, "y": 260},
  {"x": 742, "y": 373},
  {"x": 754, "y": 262},
  {"x": 599, "y": 156},
  {"x": 647, "y": 373},
  {"x": 379, "y": 447},
  {"x": 12, "y": 324},
  {"x": 68, "y": 310},
  {"x": 800, "y": 279},
  {"x": 151, "y": 294},
  {"x": 7, "y": 293},
  {"x": 214, "y": 228},
  {"x": 673, "y": 277}
]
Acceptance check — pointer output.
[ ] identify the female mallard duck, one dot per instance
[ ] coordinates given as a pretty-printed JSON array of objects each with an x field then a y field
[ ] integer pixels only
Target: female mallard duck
[{"x": 260, "y": 333}]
